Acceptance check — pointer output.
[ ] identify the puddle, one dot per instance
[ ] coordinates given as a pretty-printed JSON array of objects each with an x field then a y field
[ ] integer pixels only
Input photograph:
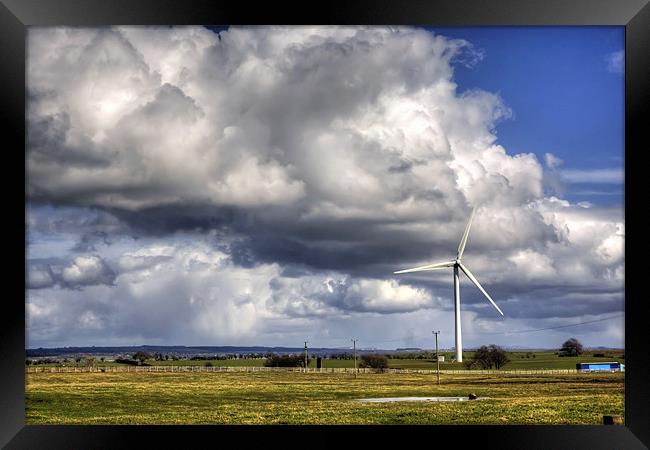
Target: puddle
[{"x": 415, "y": 399}]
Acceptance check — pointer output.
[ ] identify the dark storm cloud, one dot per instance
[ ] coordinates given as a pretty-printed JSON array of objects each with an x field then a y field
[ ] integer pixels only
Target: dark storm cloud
[
  {"x": 316, "y": 244},
  {"x": 57, "y": 220}
]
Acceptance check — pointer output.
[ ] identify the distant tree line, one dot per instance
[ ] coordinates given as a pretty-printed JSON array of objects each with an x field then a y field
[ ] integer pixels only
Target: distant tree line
[
  {"x": 411, "y": 355},
  {"x": 36, "y": 362},
  {"x": 80, "y": 360}
]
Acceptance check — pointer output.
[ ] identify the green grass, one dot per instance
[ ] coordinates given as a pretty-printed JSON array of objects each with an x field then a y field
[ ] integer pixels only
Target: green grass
[
  {"x": 313, "y": 398},
  {"x": 518, "y": 360}
]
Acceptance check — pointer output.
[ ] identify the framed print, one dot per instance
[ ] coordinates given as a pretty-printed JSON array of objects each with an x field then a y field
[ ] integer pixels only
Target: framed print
[{"x": 280, "y": 220}]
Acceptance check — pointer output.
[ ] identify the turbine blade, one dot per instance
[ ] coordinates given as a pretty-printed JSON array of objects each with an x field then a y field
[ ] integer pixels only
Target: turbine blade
[
  {"x": 478, "y": 285},
  {"x": 463, "y": 241},
  {"x": 428, "y": 267}
]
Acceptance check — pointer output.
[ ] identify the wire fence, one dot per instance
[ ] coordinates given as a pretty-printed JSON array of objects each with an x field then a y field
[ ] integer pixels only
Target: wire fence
[{"x": 179, "y": 369}]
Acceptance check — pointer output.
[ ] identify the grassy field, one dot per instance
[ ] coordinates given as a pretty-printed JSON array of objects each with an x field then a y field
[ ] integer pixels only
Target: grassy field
[
  {"x": 518, "y": 360},
  {"x": 317, "y": 398}
]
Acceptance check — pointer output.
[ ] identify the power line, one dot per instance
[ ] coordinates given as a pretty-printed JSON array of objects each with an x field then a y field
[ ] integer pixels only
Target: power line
[
  {"x": 374, "y": 341},
  {"x": 554, "y": 328}
]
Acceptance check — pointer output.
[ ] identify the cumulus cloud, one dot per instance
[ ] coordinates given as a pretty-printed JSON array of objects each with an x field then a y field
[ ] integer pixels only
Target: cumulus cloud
[
  {"x": 84, "y": 270},
  {"x": 336, "y": 294},
  {"x": 296, "y": 119},
  {"x": 198, "y": 187},
  {"x": 87, "y": 270}
]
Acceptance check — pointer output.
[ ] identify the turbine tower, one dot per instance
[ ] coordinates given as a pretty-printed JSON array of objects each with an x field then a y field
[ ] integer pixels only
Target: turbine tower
[{"x": 457, "y": 264}]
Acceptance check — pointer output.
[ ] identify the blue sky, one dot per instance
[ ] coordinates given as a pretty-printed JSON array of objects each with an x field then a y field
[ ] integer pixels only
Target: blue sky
[
  {"x": 566, "y": 97},
  {"x": 261, "y": 187}
]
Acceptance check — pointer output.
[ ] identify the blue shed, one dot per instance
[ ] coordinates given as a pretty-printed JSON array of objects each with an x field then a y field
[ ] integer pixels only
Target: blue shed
[{"x": 600, "y": 367}]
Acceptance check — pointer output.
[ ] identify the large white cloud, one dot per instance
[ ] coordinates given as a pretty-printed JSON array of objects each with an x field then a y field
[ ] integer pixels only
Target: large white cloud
[{"x": 265, "y": 116}]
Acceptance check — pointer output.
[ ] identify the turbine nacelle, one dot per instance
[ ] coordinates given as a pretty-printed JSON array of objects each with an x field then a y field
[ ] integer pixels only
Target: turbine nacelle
[{"x": 456, "y": 263}]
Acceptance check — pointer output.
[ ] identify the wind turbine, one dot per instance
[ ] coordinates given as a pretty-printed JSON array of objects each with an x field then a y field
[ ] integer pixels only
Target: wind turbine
[{"x": 456, "y": 264}]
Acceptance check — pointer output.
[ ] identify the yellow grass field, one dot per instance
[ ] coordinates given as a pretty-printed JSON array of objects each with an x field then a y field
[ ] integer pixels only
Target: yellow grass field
[{"x": 318, "y": 398}]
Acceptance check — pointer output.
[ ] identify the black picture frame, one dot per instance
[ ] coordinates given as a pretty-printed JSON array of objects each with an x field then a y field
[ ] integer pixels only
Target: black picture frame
[{"x": 16, "y": 15}]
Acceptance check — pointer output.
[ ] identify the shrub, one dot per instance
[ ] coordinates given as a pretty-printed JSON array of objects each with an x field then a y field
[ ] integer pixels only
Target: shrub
[
  {"x": 130, "y": 362},
  {"x": 471, "y": 363},
  {"x": 285, "y": 361}
]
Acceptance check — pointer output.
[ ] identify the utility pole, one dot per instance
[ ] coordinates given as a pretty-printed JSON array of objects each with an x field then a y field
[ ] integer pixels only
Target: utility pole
[
  {"x": 437, "y": 359},
  {"x": 354, "y": 342},
  {"x": 305, "y": 356}
]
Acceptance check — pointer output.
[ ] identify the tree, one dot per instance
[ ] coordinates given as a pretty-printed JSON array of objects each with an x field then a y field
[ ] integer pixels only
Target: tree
[
  {"x": 374, "y": 361},
  {"x": 482, "y": 357},
  {"x": 498, "y": 356},
  {"x": 487, "y": 357},
  {"x": 571, "y": 347}
]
